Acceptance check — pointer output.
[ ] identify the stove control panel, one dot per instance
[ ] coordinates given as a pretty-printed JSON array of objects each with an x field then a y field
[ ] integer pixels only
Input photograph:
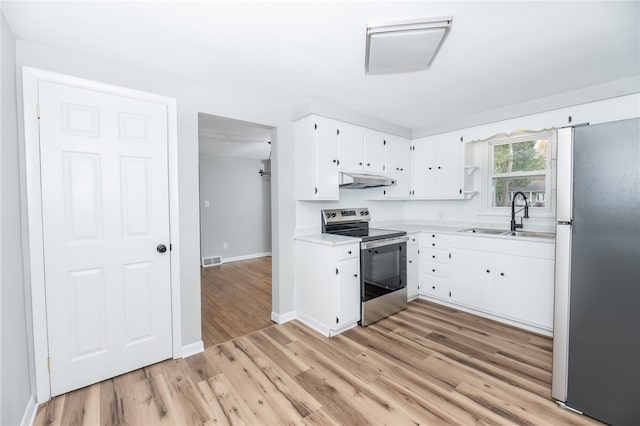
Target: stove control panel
[{"x": 345, "y": 215}]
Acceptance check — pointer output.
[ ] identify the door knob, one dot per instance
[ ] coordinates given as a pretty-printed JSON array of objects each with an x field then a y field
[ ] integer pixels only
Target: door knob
[{"x": 161, "y": 248}]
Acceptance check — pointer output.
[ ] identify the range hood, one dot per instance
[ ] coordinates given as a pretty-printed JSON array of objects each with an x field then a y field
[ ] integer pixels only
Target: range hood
[{"x": 360, "y": 180}]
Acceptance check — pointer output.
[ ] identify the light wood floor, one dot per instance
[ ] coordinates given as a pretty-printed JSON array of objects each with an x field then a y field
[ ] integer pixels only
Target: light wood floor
[
  {"x": 236, "y": 299},
  {"x": 425, "y": 365}
]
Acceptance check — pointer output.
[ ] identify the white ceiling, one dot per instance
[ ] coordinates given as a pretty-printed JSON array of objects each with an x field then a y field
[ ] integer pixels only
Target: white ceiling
[
  {"x": 233, "y": 138},
  {"x": 497, "y": 53}
]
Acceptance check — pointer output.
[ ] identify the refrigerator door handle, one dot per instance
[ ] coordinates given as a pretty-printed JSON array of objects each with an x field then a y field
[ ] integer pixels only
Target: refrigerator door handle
[
  {"x": 561, "y": 313},
  {"x": 564, "y": 209}
]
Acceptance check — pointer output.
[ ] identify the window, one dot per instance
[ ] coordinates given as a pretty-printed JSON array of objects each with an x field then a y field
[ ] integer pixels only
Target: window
[{"x": 519, "y": 164}]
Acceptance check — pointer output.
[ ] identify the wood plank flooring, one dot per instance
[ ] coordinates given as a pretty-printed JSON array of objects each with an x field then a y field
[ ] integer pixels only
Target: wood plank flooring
[
  {"x": 235, "y": 299},
  {"x": 426, "y": 365}
]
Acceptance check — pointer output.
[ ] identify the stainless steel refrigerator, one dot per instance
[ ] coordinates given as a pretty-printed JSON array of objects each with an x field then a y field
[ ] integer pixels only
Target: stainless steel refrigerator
[{"x": 596, "y": 341}]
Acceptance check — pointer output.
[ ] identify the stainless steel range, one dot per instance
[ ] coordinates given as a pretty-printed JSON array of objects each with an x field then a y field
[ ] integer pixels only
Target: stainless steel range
[{"x": 383, "y": 262}]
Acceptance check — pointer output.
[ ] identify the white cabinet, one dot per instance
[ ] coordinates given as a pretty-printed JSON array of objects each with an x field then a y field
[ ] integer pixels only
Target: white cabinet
[
  {"x": 525, "y": 289},
  {"x": 437, "y": 168},
  {"x": 328, "y": 286},
  {"x": 507, "y": 278},
  {"x": 472, "y": 281},
  {"x": 351, "y": 142},
  {"x": 361, "y": 150},
  {"x": 413, "y": 265},
  {"x": 316, "y": 167},
  {"x": 434, "y": 265},
  {"x": 398, "y": 167},
  {"x": 374, "y": 147}
]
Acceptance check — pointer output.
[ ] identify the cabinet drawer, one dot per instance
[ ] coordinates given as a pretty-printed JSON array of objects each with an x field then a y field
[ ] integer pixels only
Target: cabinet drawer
[
  {"x": 348, "y": 252},
  {"x": 434, "y": 286},
  {"x": 437, "y": 269},
  {"x": 436, "y": 255},
  {"x": 413, "y": 239},
  {"x": 436, "y": 241}
]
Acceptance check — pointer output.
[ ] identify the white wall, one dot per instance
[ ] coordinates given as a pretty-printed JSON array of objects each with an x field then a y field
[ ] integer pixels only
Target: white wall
[
  {"x": 239, "y": 207},
  {"x": 16, "y": 385},
  {"x": 218, "y": 99}
]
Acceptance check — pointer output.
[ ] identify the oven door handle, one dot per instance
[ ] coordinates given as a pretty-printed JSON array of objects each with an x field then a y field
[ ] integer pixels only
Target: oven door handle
[{"x": 382, "y": 243}]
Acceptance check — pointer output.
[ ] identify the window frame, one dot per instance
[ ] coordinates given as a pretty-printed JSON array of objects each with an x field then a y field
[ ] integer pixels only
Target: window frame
[{"x": 489, "y": 175}]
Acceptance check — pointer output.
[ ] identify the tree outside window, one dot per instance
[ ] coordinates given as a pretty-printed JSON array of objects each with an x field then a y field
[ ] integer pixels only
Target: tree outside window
[{"x": 520, "y": 166}]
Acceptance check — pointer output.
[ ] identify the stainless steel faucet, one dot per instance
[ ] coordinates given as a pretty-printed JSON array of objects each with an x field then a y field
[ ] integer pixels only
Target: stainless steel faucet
[{"x": 515, "y": 225}]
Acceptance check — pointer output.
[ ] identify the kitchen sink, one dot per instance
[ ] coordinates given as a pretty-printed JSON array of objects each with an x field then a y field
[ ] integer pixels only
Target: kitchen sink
[
  {"x": 484, "y": 231},
  {"x": 529, "y": 234}
]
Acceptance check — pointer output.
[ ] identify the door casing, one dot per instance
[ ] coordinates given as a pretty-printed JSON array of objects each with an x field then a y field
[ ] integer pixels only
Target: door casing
[{"x": 35, "y": 262}]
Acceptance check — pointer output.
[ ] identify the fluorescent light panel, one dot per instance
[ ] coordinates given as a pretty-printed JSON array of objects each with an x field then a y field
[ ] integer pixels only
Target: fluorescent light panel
[{"x": 404, "y": 46}]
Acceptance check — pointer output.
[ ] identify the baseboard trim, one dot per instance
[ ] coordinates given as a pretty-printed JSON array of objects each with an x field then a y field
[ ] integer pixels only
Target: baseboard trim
[
  {"x": 245, "y": 257},
  {"x": 30, "y": 411},
  {"x": 192, "y": 349},
  {"x": 282, "y": 318}
]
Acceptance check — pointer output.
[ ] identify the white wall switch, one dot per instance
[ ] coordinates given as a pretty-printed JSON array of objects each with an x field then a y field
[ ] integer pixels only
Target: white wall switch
[{"x": 206, "y": 203}]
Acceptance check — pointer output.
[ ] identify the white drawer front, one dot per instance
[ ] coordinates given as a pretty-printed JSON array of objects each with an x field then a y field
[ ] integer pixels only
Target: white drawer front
[
  {"x": 436, "y": 255},
  {"x": 437, "y": 269},
  {"x": 347, "y": 252}
]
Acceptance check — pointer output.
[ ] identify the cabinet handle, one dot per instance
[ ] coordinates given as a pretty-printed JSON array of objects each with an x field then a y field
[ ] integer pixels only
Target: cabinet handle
[
  {"x": 368, "y": 164},
  {"x": 349, "y": 252},
  {"x": 355, "y": 275},
  {"x": 433, "y": 235},
  {"x": 433, "y": 287},
  {"x": 360, "y": 164},
  {"x": 488, "y": 271},
  {"x": 433, "y": 270},
  {"x": 429, "y": 168},
  {"x": 502, "y": 274},
  {"x": 439, "y": 167},
  {"x": 434, "y": 256},
  {"x": 335, "y": 161},
  {"x": 413, "y": 239},
  {"x": 401, "y": 169},
  {"x": 433, "y": 244}
]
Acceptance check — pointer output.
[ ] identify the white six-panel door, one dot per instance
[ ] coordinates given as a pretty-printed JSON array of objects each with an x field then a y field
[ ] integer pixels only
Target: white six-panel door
[{"x": 105, "y": 210}]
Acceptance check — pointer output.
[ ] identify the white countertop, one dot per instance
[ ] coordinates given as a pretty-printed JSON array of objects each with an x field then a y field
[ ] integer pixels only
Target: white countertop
[{"x": 328, "y": 239}]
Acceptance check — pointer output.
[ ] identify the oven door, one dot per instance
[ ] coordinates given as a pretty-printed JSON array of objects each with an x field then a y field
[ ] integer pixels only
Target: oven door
[{"x": 383, "y": 267}]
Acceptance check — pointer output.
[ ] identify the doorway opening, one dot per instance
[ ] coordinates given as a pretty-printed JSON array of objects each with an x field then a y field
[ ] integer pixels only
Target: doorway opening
[{"x": 235, "y": 227}]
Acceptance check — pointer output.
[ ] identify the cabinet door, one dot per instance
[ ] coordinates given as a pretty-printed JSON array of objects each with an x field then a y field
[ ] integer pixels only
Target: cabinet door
[
  {"x": 327, "y": 158},
  {"x": 374, "y": 144},
  {"x": 422, "y": 169},
  {"x": 448, "y": 168},
  {"x": 348, "y": 292},
  {"x": 351, "y": 147},
  {"x": 525, "y": 289},
  {"x": 472, "y": 279},
  {"x": 398, "y": 167},
  {"x": 413, "y": 269}
]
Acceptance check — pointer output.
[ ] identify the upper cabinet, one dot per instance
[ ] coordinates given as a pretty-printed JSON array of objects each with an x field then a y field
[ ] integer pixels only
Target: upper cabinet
[
  {"x": 361, "y": 150},
  {"x": 437, "y": 168},
  {"x": 398, "y": 167},
  {"x": 316, "y": 154}
]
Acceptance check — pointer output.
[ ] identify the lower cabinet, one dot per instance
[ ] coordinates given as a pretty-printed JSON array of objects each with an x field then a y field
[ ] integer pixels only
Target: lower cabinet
[
  {"x": 525, "y": 289},
  {"x": 413, "y": 265},
  {"x": 473, "y": 278},
  {"x": 501, "y": 278},
  {"x": 434, "y": 265},
  {"x": 328, "y": 286}
]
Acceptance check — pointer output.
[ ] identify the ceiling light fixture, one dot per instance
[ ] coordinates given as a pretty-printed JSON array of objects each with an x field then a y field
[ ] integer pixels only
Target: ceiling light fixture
[{"x": 404, "y": 46}]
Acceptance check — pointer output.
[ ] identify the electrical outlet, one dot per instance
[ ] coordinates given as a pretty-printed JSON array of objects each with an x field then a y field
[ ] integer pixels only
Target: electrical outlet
[{"x": 225, "y": 245}]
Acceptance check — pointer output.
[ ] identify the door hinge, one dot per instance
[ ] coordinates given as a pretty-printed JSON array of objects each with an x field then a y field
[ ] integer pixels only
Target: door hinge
[
  {"x": 461, "y": 138},
  {"x": 449, "y": 255},
  {"x": 569, "y": 119},
  {"x": 49, "y": 364},
  {"x": 337, "y": 320},
  {"x": 460, "y": 191},
  {"x": 315, "y": 190},
  {"x": 170, "y": 247},
  {"x": 418, "y": 251},
  {"x": 384, "y": 142},
  {"x": 384, "y": 167},
  {"x": 449, "y": 294},
  {"x": 38, "y": 111},
  {"x": 384, "y": 192},
  {"x": 315, "y": 126},
  {"x": 336, "y": 271},
  {"x": 338, "y": 132}
]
